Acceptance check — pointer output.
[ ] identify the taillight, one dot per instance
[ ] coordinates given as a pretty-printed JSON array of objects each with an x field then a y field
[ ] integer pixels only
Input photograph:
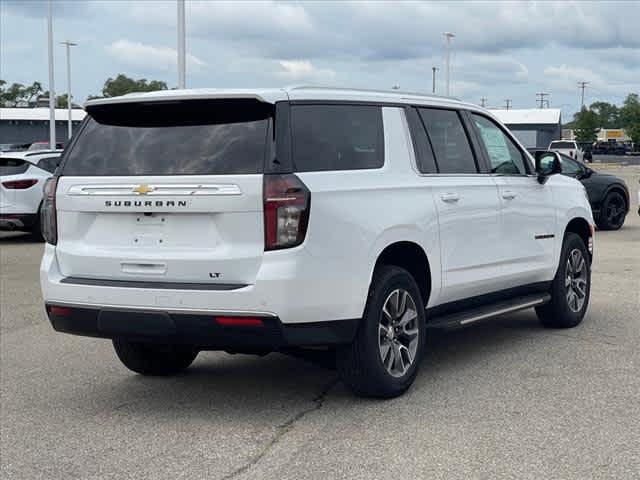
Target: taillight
[
  {"x": 48, "y": 216},
  {"x": 240, "y": 321},
  {"x": 58, "y": 311},
  {"x": 286, "y": 211},
  {"x": 19, "y": 184}
]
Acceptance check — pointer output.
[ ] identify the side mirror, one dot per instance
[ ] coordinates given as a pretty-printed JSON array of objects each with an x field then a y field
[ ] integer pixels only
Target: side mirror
[{"x": 547, "y": 164}]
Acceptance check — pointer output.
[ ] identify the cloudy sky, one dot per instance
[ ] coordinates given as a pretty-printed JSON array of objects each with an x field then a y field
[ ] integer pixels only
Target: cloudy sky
[{"x": 501, "y": 49}]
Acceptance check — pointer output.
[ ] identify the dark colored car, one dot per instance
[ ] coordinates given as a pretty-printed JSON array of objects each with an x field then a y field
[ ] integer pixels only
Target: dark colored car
[{"x": 608, "y": 194}]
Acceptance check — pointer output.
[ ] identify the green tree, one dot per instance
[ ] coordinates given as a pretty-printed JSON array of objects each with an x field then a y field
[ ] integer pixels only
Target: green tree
[
  {"x": 17, "y": 93},
  {"x": 586, "y": 126},
  {"x": 62, "y": 101},
  {"x": 630, "y": 117},
  {"x": 122, "y": 85},
  {"x": 608, "y": 114}
]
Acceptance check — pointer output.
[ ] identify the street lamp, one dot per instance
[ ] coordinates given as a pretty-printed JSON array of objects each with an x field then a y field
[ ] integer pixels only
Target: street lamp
[
  {"x": 182, "y": 64},
  {"x": 448, "y": 36},
  {"x": 68, "y": 46},
  {"x": 52, "y": 90},
  {"x": 433, "y": 79}
]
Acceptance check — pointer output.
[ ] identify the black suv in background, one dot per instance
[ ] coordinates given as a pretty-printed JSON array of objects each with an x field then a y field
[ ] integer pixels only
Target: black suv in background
[{"x": 608, "y": 194}]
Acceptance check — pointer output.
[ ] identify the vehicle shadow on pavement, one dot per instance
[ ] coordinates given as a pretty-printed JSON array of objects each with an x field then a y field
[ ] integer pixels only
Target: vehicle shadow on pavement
[
  {"x": 237, "y": 384},
  {"x": 16, "y": 238}
]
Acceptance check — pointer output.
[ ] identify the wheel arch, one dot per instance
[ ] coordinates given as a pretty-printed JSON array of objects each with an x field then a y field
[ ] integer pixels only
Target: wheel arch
[
  {"x": 412, "y": 257},
  {"x": 584, "y": 229}
]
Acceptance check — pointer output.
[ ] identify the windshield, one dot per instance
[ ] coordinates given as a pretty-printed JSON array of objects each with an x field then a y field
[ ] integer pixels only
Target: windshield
[
  {"x": 562, "y": 145},
  {"x": 172, "y": 138}
]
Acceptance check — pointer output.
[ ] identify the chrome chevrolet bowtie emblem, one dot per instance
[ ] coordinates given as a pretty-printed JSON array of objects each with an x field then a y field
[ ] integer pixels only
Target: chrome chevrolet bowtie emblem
[{"x": 143, "y": 189}]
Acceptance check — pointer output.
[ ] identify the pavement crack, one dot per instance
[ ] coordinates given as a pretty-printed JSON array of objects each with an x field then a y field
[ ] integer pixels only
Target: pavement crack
[{"x": 283, "y": 429}]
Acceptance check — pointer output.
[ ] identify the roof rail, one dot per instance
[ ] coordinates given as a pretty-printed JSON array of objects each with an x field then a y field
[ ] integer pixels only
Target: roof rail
[{"x": 371, "y": 90}]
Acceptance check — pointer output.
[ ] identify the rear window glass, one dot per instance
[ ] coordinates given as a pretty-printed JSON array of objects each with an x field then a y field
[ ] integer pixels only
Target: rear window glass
[
  {"x": 337, "y": 137},
  {"x": 449, "y": 140},
  {"x": 563, "y": 145},
  {"x": 49, "y": 164},
  {"x": 12, "y": 166},
  {"x": 195, "y": 137}
]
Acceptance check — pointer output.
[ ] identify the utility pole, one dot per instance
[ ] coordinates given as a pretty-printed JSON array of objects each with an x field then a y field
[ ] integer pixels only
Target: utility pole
[
  {"x": 582, "y": 86},
  {"x": 68, "y": 46},
  {"x": 182, "y": 64},
  {"x": 483, "y": 102},
  {"x": 448, "y": 36},
  {"x": 541, "y": 99},
  {"x": 507, "y": 103},
  {"x": 433, "y": 79},
  {"x": 52, "y": 90}
]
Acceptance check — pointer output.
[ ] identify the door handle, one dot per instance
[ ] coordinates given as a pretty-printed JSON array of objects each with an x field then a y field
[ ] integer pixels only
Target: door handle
[
  {"x": 508, "y": 195},
  {"x": 450, "y": 197}
]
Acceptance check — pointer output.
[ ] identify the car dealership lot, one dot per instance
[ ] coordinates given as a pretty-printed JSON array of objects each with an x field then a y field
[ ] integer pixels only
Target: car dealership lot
[{"x": 504, "y": 399}]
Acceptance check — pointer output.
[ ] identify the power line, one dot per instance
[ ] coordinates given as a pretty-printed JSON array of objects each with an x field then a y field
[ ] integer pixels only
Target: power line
[
  {"x": 541, "y": 99},
  {"x": 582, "y": 86}
]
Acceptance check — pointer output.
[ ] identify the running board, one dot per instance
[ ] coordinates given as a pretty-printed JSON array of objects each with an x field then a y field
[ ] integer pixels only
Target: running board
[{"x": 466, "y": 317}]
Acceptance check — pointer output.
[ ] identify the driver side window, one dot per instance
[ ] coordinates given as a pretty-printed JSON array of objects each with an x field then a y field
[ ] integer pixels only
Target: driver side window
[{"x": 506, "y": 158}]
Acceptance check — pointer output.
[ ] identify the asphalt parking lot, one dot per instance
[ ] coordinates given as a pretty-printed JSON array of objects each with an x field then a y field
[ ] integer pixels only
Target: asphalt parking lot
[{"x": 504, "y": 399}]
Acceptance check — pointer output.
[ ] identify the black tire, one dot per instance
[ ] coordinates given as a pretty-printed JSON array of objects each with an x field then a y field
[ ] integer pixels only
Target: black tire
[
  {"x": 151, "y": 359},
  {"x": 360, "y": 364},
  {"x": 613, "y": 212},
  {"x": 558, "y": 313}
]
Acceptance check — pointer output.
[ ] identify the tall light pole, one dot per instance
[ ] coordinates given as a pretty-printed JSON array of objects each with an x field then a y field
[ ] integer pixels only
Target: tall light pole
[
  {"x": 182, "y": 64},
  {"x": 433, "y": 79},
  {"x": 68, "y": 46},
  {"x": 448, "y": 36},
  {"x": 52, "y": 90}
]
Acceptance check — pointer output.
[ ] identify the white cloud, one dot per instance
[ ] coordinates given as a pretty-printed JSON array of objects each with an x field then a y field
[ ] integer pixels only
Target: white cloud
[
  {"x": 295, "y": 70},
  {"x": 149, "y": 57}
]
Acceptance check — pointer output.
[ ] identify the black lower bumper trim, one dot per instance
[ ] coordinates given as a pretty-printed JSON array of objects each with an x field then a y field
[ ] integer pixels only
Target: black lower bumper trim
[{"x": 200, "y": 330}]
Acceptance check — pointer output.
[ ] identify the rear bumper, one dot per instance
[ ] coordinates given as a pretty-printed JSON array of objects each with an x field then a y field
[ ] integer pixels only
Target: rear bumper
[
  {"x": 201, "y": 329},
  {"x": 17, "y": 221},
  {"x": 293, "y": 292}
]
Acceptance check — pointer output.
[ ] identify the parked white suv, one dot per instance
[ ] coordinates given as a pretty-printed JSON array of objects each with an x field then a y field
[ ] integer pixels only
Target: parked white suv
[
  {"x": 266, "y": 220},
  {"x": 568, "y": 147},
  {"x": 22, "y": 178}
]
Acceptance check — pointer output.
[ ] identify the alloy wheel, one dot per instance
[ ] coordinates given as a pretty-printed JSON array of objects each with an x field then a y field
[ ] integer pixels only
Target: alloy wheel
[
  {"x": 398, "y": 333},
  {"x": 615, "y": 211},
  {"x": 576, "y": 279}
]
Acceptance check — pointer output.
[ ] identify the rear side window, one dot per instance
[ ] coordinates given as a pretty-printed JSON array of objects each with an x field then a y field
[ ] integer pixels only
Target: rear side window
[
  {"x": 336, "y": 137},
  {"x": 449, "y": 141},
  {"x": 49, "y": 164},
  {"x": 12, "y": 166},
  {"x": 193, "y": 137}
]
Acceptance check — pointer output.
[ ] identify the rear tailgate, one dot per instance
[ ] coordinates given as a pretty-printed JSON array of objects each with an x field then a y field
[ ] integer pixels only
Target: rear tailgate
[{"x": 165, "y": 192}]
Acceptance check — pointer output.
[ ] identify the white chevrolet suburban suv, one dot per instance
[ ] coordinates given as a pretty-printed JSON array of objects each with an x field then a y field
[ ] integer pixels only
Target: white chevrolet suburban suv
[{"x": 253, "y": 221}]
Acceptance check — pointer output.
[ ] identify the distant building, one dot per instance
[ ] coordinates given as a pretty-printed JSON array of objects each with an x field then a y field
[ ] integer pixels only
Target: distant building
[
  {"x": 534, "y": 127},
  {"x": 604, "y": 135},
  {"x": 28, "y": 125}
]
